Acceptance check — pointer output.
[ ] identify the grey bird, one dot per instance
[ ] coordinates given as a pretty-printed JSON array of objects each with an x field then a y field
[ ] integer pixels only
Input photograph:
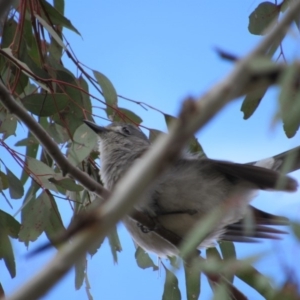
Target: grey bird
[{"x": 191, "y": 188}]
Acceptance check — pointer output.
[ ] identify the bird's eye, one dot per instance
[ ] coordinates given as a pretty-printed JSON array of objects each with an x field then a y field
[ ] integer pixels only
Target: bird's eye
[{"x": 125, "y": 130}]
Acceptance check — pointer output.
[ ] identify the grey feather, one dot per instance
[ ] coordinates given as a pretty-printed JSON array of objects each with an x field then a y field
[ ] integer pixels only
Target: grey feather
[{"x": 192, "y": 187}]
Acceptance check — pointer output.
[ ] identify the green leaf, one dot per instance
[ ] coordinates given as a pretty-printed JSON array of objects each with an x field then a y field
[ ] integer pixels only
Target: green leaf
[
  {"x": 171, "y": 288},
  {"x": 31, "y": 151},
  {"x": 45, "y": 105},
  {"x": 257, "y": 281},
  {"x": 9, "y": 224},
  {"x": 58, "y": 133},
  {"x": 296, "y": 229},
  {"x": 35, "y": 217},
  {"x": 84, "y": 141},
  {"x": 16, "y": 189},
  {"x": 27, "y": 142},
  {"x": 196, "y": 148},
  {"x": 59, "y": 5},
  {"x": 8, "y": 126},
  {"x": 192, "y": 281},
  {"x": 213, "y": 253},
  {"x": 42, "y": 173},
  {"x": 114, "y": 242},
  {"x": 289, "y": 100},
  {"x": 6, "y": 253},
  {"x": 251, "y": 102},
  {"x": 51, "y": 31},
  {"x": 221, "y": 292},
  {"x": 109, "y": 92},
  {"x": 86, "y": 100},
  {"x": 71, "y": 117},
  {"x": 3, "y": 181},
  {"x": 9, "y": 31},
  {"x": 127, "y": 116},
  {"x": 143, "y": 259},
  {"x": 169, "y": 119},
  {"x": 67, "y": 184},
  {"x": 57, "y": 18},
  {"x": 80, "y": 267},
  {"x": 262, "y": 17},
  {"x": 55, "y": 225},
  {"x": 228, "y": 252},
  {"x": 154, "y": 134}
]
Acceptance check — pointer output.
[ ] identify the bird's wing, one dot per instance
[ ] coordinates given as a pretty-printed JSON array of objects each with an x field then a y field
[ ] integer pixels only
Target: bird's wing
[{"x": 261, "y": 177}]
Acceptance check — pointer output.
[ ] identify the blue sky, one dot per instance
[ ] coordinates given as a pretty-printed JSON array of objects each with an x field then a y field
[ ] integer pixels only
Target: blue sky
[{"x": 159, "y": 52}]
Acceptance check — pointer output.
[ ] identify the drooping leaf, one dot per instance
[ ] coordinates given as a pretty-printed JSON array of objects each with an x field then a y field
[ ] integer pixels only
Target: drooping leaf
[
  {"x": 251, "y": 102},
  {"x": 16, "y": 189},
  {"x": 228, "y": 252},
  {"x": 192, "y": 281},
  {"x": 143, "y": 259},
  {"x": 86, "y": 100},
  {"x": 35, "y": 218},
  {"x": 221, "y": 292},
  {"x": 3, "y": 181},
  {"x": 73, "y": 114},
  {"x": 51, "y": 31},
  {"x": 57, "y": 18},
  {"x": 256, "y": 280},
  {"x": 126, "y": 115},
  {"x": 9, "y": 224},
  {"x": 8, "y": 34},
  {"x": 45, "y": 105},
  {"x": 169, "y": 119},
  {"x": 289, "y": 100},
  {"x": 84, "y": 141},
  {"x": 262, "y": 17},
  {"x": 171, "y": 288},
  {"x": 42, "y": 173},
  {"x": 154, "y": 133},
  {"x": 115, "y": 244},
  {"x": 109, "y": 92},
  {"x": 59, "y": 5},
  {"x": 31, "y": 151},
  {"x": 8, "y": 126},
  {"x": 55, "y": 225},
  {"x": 80, "y": 267},
  {"x": 296, "y": 229},
  {"x": 67, "y": 184},
  {"x": 58, "y": 133},
  {"x": 6, "y": 253}
]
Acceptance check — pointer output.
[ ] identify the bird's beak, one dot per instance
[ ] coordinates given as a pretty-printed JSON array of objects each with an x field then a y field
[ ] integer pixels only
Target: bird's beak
[{"x": 95, "y": 127}]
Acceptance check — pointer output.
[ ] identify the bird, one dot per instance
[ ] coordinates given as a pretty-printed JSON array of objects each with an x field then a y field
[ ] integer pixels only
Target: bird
[{"x": 191, "y": 188}]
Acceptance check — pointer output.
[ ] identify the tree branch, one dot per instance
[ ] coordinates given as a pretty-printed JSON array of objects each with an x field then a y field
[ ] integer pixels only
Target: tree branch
[{"x": 194, "y": 115}]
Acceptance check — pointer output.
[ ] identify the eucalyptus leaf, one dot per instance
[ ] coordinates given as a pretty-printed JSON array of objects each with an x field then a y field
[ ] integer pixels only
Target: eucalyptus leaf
[
  {"x": 35, "y": 218},
  {"x": 42, "y": 173},
  {"x": 171, "y": 287},
  {"x": 6, "y": 253},
  {"x": 262, "y": 17},
  {"x": 16, "y": 189},
  {"x": 57, "y": 18},
  {"x": 84, "y": 141},
  {"x": 143, "y": 259},
  {"x": 115, "y": 244},
  {"x": 108, "y": 91},
  {"x": 45, "y": 105}
]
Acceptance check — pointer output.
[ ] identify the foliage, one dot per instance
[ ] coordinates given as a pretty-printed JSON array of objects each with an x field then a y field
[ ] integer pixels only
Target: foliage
[{"x": 31, "y": 67}]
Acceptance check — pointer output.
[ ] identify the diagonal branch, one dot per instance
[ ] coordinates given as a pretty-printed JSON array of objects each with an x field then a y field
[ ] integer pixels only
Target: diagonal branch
[{"x": 194, "y": 115}]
